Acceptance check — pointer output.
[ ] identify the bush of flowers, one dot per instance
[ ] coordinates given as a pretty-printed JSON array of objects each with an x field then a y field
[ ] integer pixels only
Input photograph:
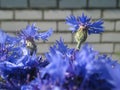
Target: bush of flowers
[{"x": 63, "y": 68}]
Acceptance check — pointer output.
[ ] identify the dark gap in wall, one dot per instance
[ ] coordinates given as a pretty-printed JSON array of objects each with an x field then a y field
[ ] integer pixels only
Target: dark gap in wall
[
  {"x": 13, "y": 14},
  {"x": 115, "y": 25},
  {"x": 42, "y": 14},
  {"x": 102, "y": 13},
  {"x": 28, "y": 3},
  {"x": 57, "y": 26},
  {"x": 113, "y": 49},
  {"x": 57, "y": 3},
  {"x": 87, "y": 4},
  {"x": 117, "y": 4},
  {"x": 0, "y": 4}
]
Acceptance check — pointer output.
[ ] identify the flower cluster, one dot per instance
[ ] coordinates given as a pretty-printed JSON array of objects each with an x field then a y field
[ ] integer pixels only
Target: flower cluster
[
  {"x": 63, "y": 68},
  {"x": 18, "y": 61}
]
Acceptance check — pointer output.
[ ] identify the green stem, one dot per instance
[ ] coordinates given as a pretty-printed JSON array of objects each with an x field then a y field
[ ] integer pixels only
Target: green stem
[
  {"x": 80, "y": 37},
  {"x": 78, "y": 45}
]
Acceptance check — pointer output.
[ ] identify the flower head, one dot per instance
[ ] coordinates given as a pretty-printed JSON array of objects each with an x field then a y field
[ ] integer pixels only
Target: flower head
[
  {"x": 31, "y": 33},
  {"x": 17, "y": 65},
  {"x": 83, "y": 25},
  {"x": 57, "y": 63},
  {"x": 7, "y": 44},
  {"x": 84, "y": 22}
]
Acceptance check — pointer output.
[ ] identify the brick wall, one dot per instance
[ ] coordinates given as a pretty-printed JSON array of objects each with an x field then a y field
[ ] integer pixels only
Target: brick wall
[{"x": 16, "y": 14}]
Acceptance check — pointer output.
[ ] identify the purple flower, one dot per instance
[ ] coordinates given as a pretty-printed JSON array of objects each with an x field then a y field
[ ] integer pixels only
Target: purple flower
[
  {"x": 7, "y": 44},
  {"x": 57, "y": 63},
  {"x": 3, "y": 37},
  {"x": 85, "y": 23},
  {"x": 17, "y": 66},
  {"x": 38, "y": 84},
  {"x": 31, "y": 33},
  {"x": 19, "y": 71},
  {"x": 84, "y": 69}
]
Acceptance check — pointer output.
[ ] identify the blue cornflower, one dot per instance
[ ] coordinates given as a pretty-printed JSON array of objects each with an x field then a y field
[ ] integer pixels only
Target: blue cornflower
[
  {"x": 31, "y": 32},
  {"x": 94, "y": 70},
  {"x": 8, "y": 40},
  {"x": 7, "y": 43},
  {"x": 33, "y": 85},
  {"x": 57, "y": 63},
  {"x": 60, "y": 46},
  {"x": 82, "y": 69},
  {"x": 3, "y": 37},
  {"x": 17, "y": 64},
  {"x": 85, "y": 23},
  {"x": 20, "y": 70},
  {"x": 38, "y": 84}
]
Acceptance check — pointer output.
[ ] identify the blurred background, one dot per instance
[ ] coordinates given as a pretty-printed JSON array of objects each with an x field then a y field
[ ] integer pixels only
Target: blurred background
[{"x": 16, "y": 14}]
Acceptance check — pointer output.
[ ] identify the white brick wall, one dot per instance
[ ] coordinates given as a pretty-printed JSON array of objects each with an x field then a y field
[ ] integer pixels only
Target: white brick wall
[
  {"x": 56, "y": 36},
  {"x": 72, "y": 45},
  {"x": 42, "y": 48},
  {"x": 93, "y": 38},
  {"x": 109, "y": 25},
  {"x": 95, "y": 14},
  {"x": 6, "y": 14},
  {"x": 111, "y": 14},
  {"x": 115, "y": 57},
  {"x": 117, "y": 26},
  {"x": 56, "y": 14},
  {"x": 117, "y": 48},
  {"x": 62, "y": 26},
  {"x": 28, "y": 14},
  {"x": 103, "y": 48},
  {"x": 111, "y": 37},
  {"x": 13, "y": 25},
  {"x": 116, "y": 54},
  {"x": 45, "y": 25}
]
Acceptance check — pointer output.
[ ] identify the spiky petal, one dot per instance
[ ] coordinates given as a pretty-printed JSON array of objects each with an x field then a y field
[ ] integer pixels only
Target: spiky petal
[{"x": 84, "y": 21}]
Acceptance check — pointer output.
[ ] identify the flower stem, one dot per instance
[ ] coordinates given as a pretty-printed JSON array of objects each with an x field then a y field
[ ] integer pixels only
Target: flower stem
[
  {"x": 78, "y": 45},
  {"x": 80, "y": 37}
]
